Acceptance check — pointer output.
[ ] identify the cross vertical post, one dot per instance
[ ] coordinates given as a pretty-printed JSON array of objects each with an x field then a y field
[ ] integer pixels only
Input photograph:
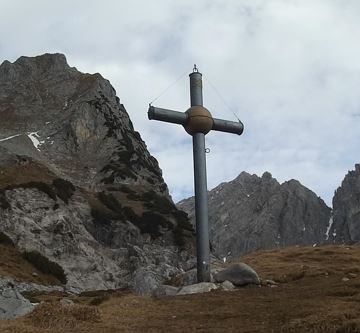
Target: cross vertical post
[
  {"x": 200, "y": 184},
  {"x": 197, "y": 122}
]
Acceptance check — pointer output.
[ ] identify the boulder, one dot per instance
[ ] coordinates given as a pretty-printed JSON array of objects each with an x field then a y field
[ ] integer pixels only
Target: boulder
[
  {"x": 238, "y": 274},
  {"x": 12, "y": 303},
  {"x": 202, "y": 287}
]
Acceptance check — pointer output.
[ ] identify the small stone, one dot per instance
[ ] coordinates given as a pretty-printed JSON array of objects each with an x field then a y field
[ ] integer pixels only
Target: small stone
[
  {"x": 227, "y": 285},
  {"x": 35, "y": 274},
  {"x": 202, "y": 287},
  {"x": 271, "y": 283},
  {"x": 66, "y": 302},
  {"x": 345, "y": 279},
  {"x": 352, "y": 275}
]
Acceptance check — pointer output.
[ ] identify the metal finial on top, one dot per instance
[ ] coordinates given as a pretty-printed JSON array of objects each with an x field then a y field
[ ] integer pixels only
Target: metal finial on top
[{"x": 195, "y": 70}]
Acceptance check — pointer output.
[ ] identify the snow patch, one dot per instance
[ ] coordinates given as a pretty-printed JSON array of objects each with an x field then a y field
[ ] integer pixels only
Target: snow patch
[
  {"x": 34, "y": 137},
  {"x": 331, "y": 221},
  {"x": 10, "y": 137}
]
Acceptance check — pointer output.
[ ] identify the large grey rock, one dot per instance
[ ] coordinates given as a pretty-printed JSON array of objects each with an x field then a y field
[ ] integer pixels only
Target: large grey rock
[
  {"x": 165, "y": 290},
  {"x": 12, "y": 303},
  {"x": 145, "y": 282},
  {"x": 189, "y": 277},
  {"x": 252, "y": 213},
  {"x": 117, "y": 216},
  {"x": 238, "y": 274},
  {"x": 346, "y": 205},
  {"x": 202, "y": 287}
]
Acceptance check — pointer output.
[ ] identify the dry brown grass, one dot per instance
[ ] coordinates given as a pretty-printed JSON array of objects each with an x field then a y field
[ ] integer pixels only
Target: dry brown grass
[
  {"x": 311, "y": 298},
  {"x": 24, "y": 173},
  {"x": 14, "y": 265},
  {"x": 56, "y": 316}
]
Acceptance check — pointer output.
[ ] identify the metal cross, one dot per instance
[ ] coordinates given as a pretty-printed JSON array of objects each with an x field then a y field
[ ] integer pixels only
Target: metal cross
[{"x": 197, "y": 122}]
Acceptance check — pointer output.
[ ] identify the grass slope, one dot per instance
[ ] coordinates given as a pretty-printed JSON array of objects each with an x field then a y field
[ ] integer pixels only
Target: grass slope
[{"x": 312, "y": 296}]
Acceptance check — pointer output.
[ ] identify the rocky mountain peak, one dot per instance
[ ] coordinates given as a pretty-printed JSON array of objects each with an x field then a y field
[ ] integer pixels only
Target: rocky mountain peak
[
  {"x": 252, "y": 213},
  {"x": 346, "y": 205},
  {"x": 35, "y": 67},
  {"x": 64, "y": 118}
]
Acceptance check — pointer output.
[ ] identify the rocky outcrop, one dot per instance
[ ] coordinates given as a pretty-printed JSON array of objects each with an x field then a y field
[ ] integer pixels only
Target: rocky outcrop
[
  {"x": 252, "y": 213},
  {"x": 12, "y": 303},
  {"x": 77, "y": 183},
  {"x": 346, "y": 206}
]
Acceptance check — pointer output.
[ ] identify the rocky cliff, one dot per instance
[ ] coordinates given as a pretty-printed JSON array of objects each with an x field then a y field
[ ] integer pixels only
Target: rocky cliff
[
  {"x": 252, "y": 213},
  {"x": 77, "y": 183},
  {"x": 346, "y": 205}
]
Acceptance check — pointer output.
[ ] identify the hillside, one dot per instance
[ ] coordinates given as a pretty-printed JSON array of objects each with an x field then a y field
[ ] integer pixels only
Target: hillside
[
  {"x": 318, "y": 291},
  {"x": 77, "y": 183}
]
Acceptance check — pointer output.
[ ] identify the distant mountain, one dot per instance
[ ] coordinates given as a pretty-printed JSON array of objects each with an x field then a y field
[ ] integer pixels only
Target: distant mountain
[
  {"x": 77, "y": 183},
  {"x": 346, "y": 205},
  {"x": 252, "y": 213}
]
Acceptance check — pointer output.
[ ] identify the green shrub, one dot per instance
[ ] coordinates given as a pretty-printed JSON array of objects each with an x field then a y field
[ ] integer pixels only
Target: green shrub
[
  {"x": 117, "y": 169},
  {"x": 131, "y": 215},
  {"x": 183, "y": 229},
  {"x": 43, "y": 187},
  {"x": 5, "y": 239},
  {"x": 44, "y": 265},
  {"x": 158, "y": 202},
  {"x": 4, "y": 203},
  {"x": 101, "y": 217},
  {"x": 64, "y": 189},
  {"x": 183, "y": 221},
  {"x": 127, "y": 189},
  {"x": 150, "y": 223},
  {"x": 110, "y": 202}
]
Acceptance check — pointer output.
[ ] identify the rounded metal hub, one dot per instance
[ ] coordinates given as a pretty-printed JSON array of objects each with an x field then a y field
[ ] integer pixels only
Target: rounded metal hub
[{"x": 199, "y": 120}]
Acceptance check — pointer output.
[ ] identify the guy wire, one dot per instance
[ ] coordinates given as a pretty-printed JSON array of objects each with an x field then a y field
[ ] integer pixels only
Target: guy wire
[
  {"x": 170, "y": 86},
  {"x": 221, "y": 97}
]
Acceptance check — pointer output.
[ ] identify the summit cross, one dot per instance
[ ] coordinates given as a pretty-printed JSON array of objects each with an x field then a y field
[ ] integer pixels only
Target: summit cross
[{"x": 197, "y": 122}]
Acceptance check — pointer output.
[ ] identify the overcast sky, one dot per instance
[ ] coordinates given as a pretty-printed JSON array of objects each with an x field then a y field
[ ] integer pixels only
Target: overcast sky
[{"x": 290, "y": 69}]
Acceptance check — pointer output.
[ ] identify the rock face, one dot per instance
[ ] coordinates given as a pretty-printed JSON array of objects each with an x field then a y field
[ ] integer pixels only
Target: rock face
[
  {"x": 252, "y": 213},
  {"x": 346, "y": 206},
  {"x": 77, "y": 184}
]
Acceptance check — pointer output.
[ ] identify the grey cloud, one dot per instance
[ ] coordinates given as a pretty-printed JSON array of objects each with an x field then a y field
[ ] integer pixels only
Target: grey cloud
[{"x": 289, "y": 69}]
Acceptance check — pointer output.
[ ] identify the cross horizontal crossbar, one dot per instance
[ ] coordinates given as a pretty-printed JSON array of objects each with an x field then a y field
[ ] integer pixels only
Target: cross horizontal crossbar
[{"x": 181, "y": 118}]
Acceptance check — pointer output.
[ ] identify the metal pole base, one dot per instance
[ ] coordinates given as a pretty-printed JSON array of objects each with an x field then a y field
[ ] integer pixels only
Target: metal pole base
[{"x": 201, "y": 209}]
